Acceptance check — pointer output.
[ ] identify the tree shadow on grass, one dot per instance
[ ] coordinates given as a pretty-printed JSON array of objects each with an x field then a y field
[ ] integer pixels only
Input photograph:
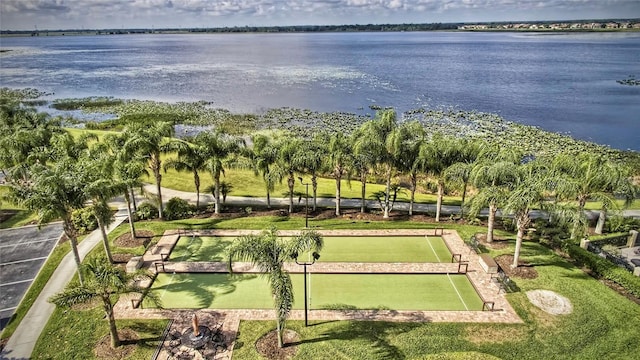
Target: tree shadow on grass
[
  {"x": 376, "y": 334},
  {"x": 196, "y": 287}
]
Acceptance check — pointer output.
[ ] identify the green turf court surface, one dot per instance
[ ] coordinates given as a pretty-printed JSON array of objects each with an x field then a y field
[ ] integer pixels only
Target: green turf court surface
[
  {"x": 336, "y": 249},
  {"x": 436, "y": 292}
]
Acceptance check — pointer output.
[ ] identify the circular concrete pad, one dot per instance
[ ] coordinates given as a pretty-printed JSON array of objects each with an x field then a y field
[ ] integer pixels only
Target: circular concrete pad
[{"x": 550, "y": 302}]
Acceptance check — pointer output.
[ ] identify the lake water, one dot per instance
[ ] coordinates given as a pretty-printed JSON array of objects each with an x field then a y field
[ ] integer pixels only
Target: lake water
[{"x": 560, "y": 82}]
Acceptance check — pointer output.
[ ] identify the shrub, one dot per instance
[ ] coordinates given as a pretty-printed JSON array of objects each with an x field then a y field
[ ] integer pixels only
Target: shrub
[
  {"x": 177, "y": 209},
  {"x": 84, "y": 220},
  {"x": 147, "y": 211},
  {"x": 605, "y": 269}
]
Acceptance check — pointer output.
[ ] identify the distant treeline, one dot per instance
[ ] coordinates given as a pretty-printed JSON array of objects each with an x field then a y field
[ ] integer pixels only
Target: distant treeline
[{"x": 286, "y": 29}]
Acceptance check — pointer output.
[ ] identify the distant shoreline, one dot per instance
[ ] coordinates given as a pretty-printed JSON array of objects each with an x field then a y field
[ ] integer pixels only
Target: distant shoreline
[{"x": 602, "y": 25}]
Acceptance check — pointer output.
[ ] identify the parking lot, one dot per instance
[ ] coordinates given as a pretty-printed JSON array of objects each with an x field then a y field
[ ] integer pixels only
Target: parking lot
[{"x": 23, "y": 251}]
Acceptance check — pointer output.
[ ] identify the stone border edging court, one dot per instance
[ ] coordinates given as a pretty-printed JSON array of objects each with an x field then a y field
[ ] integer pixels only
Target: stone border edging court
[{"x": 486, "y": 288}]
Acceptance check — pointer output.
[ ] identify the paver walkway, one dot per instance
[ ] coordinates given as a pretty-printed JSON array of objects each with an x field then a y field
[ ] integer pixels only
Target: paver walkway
[{"x": 156, "y": 260}]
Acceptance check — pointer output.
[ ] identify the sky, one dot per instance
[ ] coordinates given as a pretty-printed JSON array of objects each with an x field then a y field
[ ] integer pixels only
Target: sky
[{"x": 117, "y": 14}]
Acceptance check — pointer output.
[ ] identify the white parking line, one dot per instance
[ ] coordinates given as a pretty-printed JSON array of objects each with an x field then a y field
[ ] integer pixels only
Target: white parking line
[
  {"x": 25, "y": 242},
  {"x": 16, "y": 282},
  {"x": 22, "y": 261}
]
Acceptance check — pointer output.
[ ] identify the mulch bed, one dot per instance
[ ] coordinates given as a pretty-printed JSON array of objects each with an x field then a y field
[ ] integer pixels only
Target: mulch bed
[
  {"x": 267, "y": 345},
  {"x": 523, "y": 271},
  {"x": 143, "y": 237},
  {"x": 497, "y": 243},
  {"x": 128, "y": 339}
]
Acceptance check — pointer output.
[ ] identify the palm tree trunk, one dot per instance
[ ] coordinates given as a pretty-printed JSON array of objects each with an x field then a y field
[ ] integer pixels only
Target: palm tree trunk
[
  {"x": 601, "y": 219},
  {"x": 314, "y": 185},
  {"x": 363, "y": 194},
  {"x": 338, "y": 181},
  {"x": 280, "y": 330},
  {"x": 196, "y": 181},
  {"x": 521, "y": 222},
  {"x": 73, "y": 240},
  {"x": 291, "y": 182},
  {"x": 386, "y": 194},
  {"x": 268, "y": 199},
  {"x": 491, "y": 221},
  {"x": 105, "y": 240},
  {"x": 130, "y": 214},
  {"x": 158, "y": 180},
  {"x": 113, "y": 330},
  {"x": 439, "y": 201},
  {"x": 133, "y": 199},
  {"x": 464, "y": 194},
  {"x": 216, "y": 195},
  {"x": 414, "y": 181}
]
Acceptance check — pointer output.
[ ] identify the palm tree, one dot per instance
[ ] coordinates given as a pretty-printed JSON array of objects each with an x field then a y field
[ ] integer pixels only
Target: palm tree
[
  {"x": 103, "y": 282},
  {"x": 264, "y": 157},
  {"x": 219, "y": 150},
  {"x": 268, "y": 252},
  {"x": 494, "y": 175},
  {"x": 386, "y": 140},
  {"x": 440, "y": 153},
  {"x": 339, "y": 161},
  {"x": 530, "y": 191},
  {"x": 311, "y": 158},
  {"x": 151, "y": 140},
  {"x": 460, "y": 172},
  {"x": 590, "y": 177},
  {"x": 409, "y": 159},
  {"x": 191, "y": 157},
  {"x": 55, "y": 192},
  {"x": 289, "y": 161}
]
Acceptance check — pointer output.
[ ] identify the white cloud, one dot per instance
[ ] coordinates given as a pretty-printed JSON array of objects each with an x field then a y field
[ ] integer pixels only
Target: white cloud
[{"x": 167, "y": 13}]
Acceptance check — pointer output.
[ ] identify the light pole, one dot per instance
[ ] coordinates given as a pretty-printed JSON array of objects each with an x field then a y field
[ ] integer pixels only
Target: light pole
[
  {"x": 315, "y": 256},
  {"x": 306, "y": 203}
]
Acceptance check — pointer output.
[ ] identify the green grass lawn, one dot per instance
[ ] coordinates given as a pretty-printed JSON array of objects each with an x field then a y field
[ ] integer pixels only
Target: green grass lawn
[
  {"x": 327, "y": 291},
  {"x": 603, "y": 325},
  {"x": 20, "y": 217},
  {"x": 336, "y": 249}
]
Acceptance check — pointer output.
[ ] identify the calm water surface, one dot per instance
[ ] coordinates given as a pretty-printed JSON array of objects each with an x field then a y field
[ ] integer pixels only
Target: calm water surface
[{"x": 560, "y": 82}]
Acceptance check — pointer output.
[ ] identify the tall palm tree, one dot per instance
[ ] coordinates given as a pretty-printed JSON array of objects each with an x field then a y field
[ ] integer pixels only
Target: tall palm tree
[
  {"x": 219, "y": 150},
  {"x": 409, "y": 160},
  {"x": 191, "y": 157},
  {"x": 55, "y": 192},
  {"x": 264, "y": 156},
  {"x": 440, "y": 153},
  {"x": 386, "y": 140},
  {"x": 460, "y": 172},
  {"x": 530, "y": 191},
  {"x": 289, "y": 161},
  {"x": 103, "y": 282},
  {"x": 268, "y": 252},
  {"x": 151, "y": 140},
  {"x": 311, "y": 158},
  {"x": 128, "y": 168},
  {"x": 590, "y": 177},
  {"x": 339, "y": 161}
]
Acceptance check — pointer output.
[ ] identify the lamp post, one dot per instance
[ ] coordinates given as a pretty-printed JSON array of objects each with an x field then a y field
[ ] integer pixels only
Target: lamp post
[
  {"x": 306, "y": 203},
  {"x": 315, "y": 257}
]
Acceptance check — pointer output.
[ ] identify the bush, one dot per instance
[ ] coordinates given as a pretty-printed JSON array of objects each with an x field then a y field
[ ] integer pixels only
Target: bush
[
  {"x": 84, "y": 220},
  {"x": 177, "y": 209},
  {"x": 147, "y": 211},
  {"x": 605, "y": 269}
]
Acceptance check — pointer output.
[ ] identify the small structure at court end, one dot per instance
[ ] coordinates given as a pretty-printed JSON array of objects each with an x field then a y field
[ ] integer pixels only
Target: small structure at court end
[{"x": 196, "y": 341}]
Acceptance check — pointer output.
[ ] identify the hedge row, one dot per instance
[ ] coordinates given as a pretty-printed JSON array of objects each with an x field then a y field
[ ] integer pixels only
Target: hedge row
[
  {"x": 617, "y": 239},
  {"x": 605, "y": 269}
]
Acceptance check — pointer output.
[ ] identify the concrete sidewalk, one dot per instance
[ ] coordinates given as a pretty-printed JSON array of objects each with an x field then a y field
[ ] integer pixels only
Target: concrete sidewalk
[{"x": 23, "y": 340}]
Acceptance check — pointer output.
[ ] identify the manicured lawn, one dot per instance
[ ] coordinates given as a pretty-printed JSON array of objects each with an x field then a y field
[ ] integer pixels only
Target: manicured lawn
[
  {"x": 336, "y": 249},
  {"x": 603, "y": 325},
  {"x": 327, "y": 291},
  {"x": 21, "y": 216}
]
